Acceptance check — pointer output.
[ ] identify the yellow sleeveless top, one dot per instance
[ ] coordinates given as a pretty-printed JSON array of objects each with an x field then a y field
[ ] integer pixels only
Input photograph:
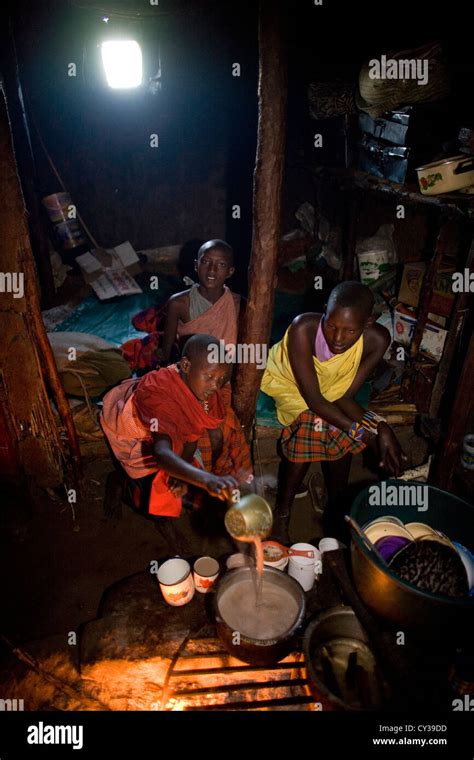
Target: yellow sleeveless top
[{"x": 334, "y": 376}]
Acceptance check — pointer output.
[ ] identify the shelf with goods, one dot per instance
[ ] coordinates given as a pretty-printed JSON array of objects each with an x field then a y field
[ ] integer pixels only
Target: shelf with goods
[{"x": 450, "y": 224}]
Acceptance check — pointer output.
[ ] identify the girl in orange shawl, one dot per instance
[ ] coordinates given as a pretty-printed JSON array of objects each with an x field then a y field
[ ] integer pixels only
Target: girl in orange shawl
[{"x": 175, "y": 426}]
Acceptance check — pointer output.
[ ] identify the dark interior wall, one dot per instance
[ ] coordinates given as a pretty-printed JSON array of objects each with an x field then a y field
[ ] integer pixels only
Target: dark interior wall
[
  {"x": 99, "y": 139},
  {"x": 331, "y": 43},
  {"x": 205, "y": 118}
]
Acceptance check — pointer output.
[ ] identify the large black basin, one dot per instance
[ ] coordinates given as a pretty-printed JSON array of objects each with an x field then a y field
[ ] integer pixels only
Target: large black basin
[{"x": 399, "y": 601}]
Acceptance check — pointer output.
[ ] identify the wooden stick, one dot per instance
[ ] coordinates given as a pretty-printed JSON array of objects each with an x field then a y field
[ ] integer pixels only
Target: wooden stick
[
  {"x": 388, "y": 407},
  {"x": 31, "y": 662},
  {"x": 47, "y": 356},
  {"x": 58, "y": 176}
]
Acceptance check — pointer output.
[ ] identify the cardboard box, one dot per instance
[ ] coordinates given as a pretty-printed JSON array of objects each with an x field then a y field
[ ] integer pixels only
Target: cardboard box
[
  {"x": 109, "y": 273},
  {"x": 437, "y": 319},
  {"x": 434, "y": 336},
  {"x": 412, "y": 280},
  {"x": 403, "y": 327},
  {"x": 432, "y": 342},
  {"x": 442, "y": 299}
]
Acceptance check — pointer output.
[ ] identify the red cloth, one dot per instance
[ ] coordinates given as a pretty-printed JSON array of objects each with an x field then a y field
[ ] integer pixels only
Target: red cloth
[
  {"x": 162, "y": 396},
  {"x": 152, "y": 319},
  {"x": 160, "y": 402},
  {"x": 143, "y": 353},
  {"x": 162, "y": 502}
]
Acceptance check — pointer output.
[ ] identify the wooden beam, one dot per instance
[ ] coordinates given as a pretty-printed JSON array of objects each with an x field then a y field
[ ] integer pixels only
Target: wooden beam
[
  {"x": 449, "y": 447},
  {"x": 25, "y": 354},
  {"x": 268, "y": 178},
  {"x": 458, "y": 316},
  {"x": 352, "y": 206},
  {"x": 455, "y": 204}
]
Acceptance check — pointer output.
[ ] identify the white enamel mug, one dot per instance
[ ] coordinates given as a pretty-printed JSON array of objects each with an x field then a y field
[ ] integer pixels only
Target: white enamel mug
[
  {"x": 305, "y": 569},
  {"x": 176, "y": 581},
  {"x": 330, "y": 544},
  {"x": 206, "y": 571}
]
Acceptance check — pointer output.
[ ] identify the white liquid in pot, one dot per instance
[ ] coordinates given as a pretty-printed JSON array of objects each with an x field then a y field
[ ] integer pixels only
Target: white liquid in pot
[{"x": 275, "y": 614}]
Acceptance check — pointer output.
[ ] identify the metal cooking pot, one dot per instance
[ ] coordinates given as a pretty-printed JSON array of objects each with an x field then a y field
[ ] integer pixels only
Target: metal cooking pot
[
  {"x": 245, "y": 648},
  {"x": 342, "y": 669},
  {"x": 386, "y": 594},
  {"x": 447, "y": 175}
]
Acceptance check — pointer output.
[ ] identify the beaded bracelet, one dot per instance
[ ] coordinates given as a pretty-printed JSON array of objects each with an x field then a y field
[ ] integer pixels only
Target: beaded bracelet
[
  {"x": 370, "y": 421},
  {"x": 356, "y": 431}
]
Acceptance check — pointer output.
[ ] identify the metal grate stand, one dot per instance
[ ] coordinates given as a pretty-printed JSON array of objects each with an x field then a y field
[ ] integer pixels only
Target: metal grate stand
[{"x": 203, "y": 676}]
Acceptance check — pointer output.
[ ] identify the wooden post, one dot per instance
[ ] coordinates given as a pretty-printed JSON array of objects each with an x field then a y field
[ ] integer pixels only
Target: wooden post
[
  {"x": 352, "y": 205},
  {"x": 458, "y": 316},
  {"x": 26, "y": 358},
  {"x": 449, "y": 447},
  {"x": 268, "y": 176}
]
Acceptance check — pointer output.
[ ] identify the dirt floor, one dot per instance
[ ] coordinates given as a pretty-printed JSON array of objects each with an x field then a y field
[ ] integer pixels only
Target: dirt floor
[{"x": 58, "y": 558}]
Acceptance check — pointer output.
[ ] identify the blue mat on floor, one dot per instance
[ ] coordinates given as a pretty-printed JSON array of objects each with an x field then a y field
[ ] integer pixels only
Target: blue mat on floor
[{"x": 112, "y": 320}]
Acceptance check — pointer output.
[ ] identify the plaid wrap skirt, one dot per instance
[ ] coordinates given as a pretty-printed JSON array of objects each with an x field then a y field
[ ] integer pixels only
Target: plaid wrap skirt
[{"x": 310, "y": 439}]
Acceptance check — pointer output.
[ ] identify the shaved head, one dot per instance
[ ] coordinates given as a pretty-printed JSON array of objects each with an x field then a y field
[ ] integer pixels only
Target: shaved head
[
  {"x": 352, "y": 295},
  {"x": 348, "y": 313},
  {"x": 216, "y": 245},
  {"x": 202, "y": 375},
  {"x": 196, "y": 348}
]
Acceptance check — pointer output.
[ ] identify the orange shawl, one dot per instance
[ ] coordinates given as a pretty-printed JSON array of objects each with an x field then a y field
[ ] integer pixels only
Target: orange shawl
[
  {"x": 220, "y": 320},
  {"x": 161, "y": 402}
]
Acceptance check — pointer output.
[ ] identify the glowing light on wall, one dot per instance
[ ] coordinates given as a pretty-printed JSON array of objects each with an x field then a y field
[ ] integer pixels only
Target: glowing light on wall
[{"x": 123, "y": 63}]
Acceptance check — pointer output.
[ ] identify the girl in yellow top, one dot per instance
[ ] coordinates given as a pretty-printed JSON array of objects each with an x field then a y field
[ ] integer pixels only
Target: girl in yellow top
[{"x": 313, "y": 374}]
